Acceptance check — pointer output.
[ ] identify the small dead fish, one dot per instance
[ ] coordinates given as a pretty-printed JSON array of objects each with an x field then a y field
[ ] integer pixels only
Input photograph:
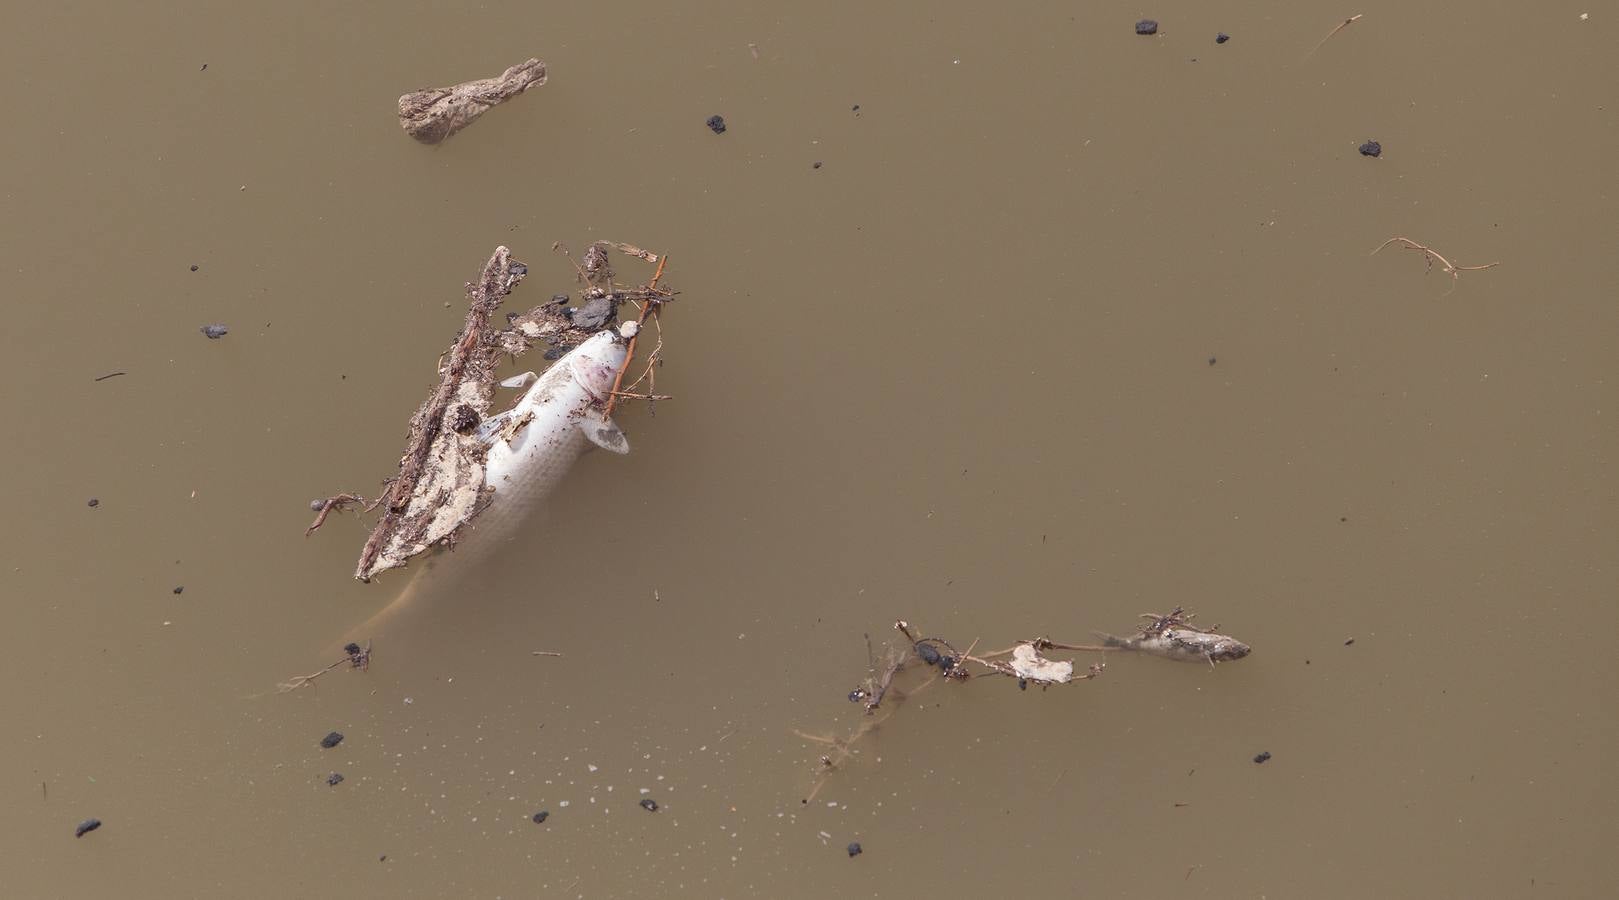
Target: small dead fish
[{"x": 1183, "y": 644}]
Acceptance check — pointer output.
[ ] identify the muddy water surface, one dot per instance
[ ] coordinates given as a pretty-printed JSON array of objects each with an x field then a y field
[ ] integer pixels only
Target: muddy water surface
[{"x": 1067, "y": 325}]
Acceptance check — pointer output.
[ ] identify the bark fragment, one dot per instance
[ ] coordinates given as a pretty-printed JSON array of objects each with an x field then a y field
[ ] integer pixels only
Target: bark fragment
[{"x": 433, "y": 114}]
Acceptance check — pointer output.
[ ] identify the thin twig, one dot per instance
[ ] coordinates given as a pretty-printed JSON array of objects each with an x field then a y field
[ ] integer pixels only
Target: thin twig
[
  {"x": 632, "y": 250},
  {"x": 1341, "y": 26},
  {"x": 650, "y": 307},
  {"x": 1429, "y": 255},
  {"x": 111, "y": 375},
  {"x": 329, "y": 504},
  {"x": 355, "y": 657}
]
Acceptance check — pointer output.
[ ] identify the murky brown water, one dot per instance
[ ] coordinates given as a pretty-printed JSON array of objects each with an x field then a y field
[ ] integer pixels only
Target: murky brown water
[{"x": 1068, "y": 325}]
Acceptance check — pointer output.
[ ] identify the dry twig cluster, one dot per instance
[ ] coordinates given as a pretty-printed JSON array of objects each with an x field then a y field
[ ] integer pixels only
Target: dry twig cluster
[{"x": 1171, "y": 636}]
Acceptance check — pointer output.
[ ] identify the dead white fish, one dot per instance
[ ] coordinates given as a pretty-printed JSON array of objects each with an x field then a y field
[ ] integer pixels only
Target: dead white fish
[
  {"x": 533, "y": 444},
  {"x": 531, "y": 448},
  {"x": 1185, "y": 644}
]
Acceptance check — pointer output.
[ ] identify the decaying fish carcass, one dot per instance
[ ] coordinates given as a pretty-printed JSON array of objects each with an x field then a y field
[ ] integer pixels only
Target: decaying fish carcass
[
  {"x": 433, "y": 114},
  {"x": 1173, "y": 636},
  {"x": 459, "y": 457}
]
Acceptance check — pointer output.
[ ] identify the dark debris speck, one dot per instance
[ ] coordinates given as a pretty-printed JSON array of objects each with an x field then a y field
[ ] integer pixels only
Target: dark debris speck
[
  {"x": 649, "y": 804},
  {"x": 179, "y": 589},
  {"x": 1221, "y": 38},
  {"x": 352, "y": 648},
  {"x": 93, "y": 503},
  {"x": 541, "y": 816},
  {"x": 716, "y": 124},
  {"x": 332, "y": 740},
  {"x": 815, "y": 165},
  {"x": 1371, "y": 148},
  {"x": 334, "y": 779},
  {"x": 855, "y": 849},
  {"x": 1147, "y": 26},
  {"x": 214, "y": 332},
  {"x": 928, "y": 654},
  {"x": 87, "y": 826},
  {"x": 1262, "y": 757},
  {"x": 193, "y": 267},
  {"x": 464, "y": 419}
]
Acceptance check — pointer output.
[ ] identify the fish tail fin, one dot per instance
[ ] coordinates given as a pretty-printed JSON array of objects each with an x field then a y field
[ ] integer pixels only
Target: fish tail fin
[{"x": 387, "y": 617}]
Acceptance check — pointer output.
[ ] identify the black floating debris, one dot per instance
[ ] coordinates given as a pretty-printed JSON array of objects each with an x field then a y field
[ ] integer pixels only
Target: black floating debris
[
  {"x": 1023, "y": 684},
  {"x": 1221, "y": 38},
  {"x": 1348, "y": 642},
  {"x": 87, "y": 826},
  {"x": 464, "y": 419},
  {"x": 351, "y": 648},
  {"x": 928, "y": 654},
  {"x": 541, "y": 816},
  {"x": 179, "y": 589},
  {"x": 214, "y": 332},
  {"x": 854, "y": 108},
  {"x": 857, "y": 695},
  {"x": 332, "y": 740},
  {"x": 518, "y": 268},
  {"x": 716, "y": 124},
  {"x": 93, "y": 503},
  {"x": 1371, "y": 148},
  {"x": 193, "y": 267},
  {"x": 1260, "y": 759},
  {"x": 334, "y": 779},
  {"x": 816, "y": 164},
  {"x": 1147, "y": 26},
  {"x": 855, "y": 849},
  {"x": 947, "y": 663},
  {"x": 593, "y": 313},
  {"x": 1212, "y": 360},
  {"x": 649, "y": 804}
]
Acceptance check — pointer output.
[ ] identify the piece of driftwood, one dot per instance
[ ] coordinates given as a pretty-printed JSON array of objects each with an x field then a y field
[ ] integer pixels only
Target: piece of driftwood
[
  {"x": 433, "y": 114},
  {"x": 440, "y": 485}
]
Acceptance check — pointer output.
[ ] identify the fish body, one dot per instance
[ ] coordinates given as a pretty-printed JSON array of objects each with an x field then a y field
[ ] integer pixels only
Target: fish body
[
  {"x": 531, "y": 448},
  {"x": 534, "y": 444},
  {"x": 1185, "y": 644}
]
